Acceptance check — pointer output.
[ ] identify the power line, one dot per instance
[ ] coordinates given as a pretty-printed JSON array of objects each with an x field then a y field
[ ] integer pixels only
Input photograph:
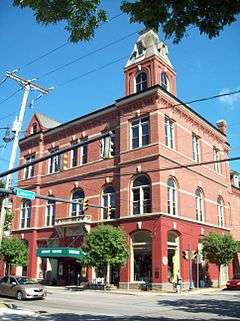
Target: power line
[
  {"x": 58, "y": 47},
  {"x": 10, "y": 96},
  {"x": 209, "y": 98},
  {"x": 87, "y": 55},
  {"x": 91, "y": 71}
]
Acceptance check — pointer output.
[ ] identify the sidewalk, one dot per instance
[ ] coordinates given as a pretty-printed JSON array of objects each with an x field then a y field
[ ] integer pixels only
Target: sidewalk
[{"x": 184, "y": 292}]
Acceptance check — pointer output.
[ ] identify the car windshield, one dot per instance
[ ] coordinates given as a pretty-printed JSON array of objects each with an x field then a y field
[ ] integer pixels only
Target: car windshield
[{"x": 23, "y": 281}]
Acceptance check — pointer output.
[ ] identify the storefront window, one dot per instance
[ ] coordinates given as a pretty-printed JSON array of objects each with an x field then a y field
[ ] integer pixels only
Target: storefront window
[{"x": 142, "y": 256}]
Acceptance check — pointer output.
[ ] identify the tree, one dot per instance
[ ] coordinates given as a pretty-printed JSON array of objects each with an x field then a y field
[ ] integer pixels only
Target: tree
[
  {"x": 175, "y": 17},
  {"x": 13, "y": 251},
  {"x": 9, "y": 214},
  {"x": 219, "y": 249},
  {"x": 106, "y": 246}
]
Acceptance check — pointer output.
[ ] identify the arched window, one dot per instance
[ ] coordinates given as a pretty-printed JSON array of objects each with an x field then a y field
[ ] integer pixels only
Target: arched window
[
  {"x": 172, "y": 196},
  {"x": 50, "y": 213},
  {"x": 199, "y": 205},
  {"x": 109, "y": 198},
  {"x": 26, "y": 213},
  {"x": 220, "y": 211},
  {"x": 164, "y": 81},
  {"x": 142, "y": 256},
  {"x": 141, "y": 195},
  {"x": 77, "y": 209},
  {"x": 141, "y": 81}
]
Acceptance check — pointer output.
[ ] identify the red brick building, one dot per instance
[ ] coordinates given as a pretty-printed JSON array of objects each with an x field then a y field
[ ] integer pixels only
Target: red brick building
[{"x": 164, "y": 206}]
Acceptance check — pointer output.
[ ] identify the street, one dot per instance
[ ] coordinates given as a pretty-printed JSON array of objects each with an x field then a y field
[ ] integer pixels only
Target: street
[{"x": 62, "y": 304}]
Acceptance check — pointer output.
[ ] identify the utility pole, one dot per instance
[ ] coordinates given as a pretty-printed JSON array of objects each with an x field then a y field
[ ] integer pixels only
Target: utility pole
[{"x": 27, "y": 85}]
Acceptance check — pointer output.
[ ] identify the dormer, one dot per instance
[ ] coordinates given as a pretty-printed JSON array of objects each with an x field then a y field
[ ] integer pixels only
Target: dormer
[
  {"x": 40, "y": 122},
  {"x": 149, "y": 65}
]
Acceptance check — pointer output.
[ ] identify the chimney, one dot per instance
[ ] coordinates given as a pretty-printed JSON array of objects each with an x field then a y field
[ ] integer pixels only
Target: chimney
[{"x": 222, "y": 126}]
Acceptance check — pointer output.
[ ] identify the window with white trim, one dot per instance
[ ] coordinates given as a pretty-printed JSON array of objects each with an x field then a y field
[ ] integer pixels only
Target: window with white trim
[
  {"x": 196, "y": 148},
  {"x": 216, "y": 158},
  {"x": 220, "y": 211},
  {"x": 169, "y": 133},
  {"x": 84, "y": 154},
  {"x": 140, "y": 132},
  {"x": 53, "y": 162},
  {"x": 77, "y": 208},
  {"x": 172, "y": 196},
  {"x": 26, "y": 213},
  {"x": 141, "y": 81},
  {"x": 50, "y": 213},
  {"x": 109, "y": 198},
  {"x": 74, "y": 154},
  {"x": 141, "y": 196},
  {"x": 29, "y": 170},
  {"x": 199, "y": 205}
]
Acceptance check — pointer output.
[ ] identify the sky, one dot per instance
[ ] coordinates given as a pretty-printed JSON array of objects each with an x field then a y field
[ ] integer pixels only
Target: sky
[{"x": 204, "y": 68}]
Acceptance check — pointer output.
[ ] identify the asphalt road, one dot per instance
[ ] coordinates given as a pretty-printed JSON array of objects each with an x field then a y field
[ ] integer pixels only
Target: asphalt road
[{"x": 61, "y": 305}]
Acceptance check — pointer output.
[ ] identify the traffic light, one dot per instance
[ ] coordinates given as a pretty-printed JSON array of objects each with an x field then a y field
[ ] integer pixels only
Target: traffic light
[
  {"x": 85, "y": 204},
  {"x": 64, "y": 161},
  {"x": 110, "y": 148},
  {"x": 109, "y": 210}
]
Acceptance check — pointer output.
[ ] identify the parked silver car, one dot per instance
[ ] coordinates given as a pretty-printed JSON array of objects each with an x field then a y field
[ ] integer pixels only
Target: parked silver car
[{"x": 21, "y": 288}]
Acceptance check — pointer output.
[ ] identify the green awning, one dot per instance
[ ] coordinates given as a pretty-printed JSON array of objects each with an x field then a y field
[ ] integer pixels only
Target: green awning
[{"x": 55, "y": 252}]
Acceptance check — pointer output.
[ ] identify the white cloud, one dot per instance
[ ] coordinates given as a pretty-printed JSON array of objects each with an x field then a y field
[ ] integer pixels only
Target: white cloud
[{"x": 231, "y": 99}]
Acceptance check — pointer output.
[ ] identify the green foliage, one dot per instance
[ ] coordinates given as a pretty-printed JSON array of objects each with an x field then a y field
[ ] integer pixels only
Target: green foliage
[
  {"x": 106, "y": 245},
  {"x": 13, "y": 251},
  {"x": 219, "y": 249},
  {"x": 8, "y": 219},
  {"x": 82, "y": 17},
  {"x": 176, "y": 17}
]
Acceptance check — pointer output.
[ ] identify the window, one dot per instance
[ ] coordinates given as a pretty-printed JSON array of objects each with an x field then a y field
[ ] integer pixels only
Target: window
[
  {"x": 216, "y": 158},
  {"x": 199, "y": 205},
  {"x": 74, "y": 155},
  {"x": 220, "y": 210},
  {"x": 105, "y": 145},
  {"x": 29, "y": 171},
  {"x": 142, "y": 256},
  {"x": 26, "y": 213},
  {"x": 140, "y": 48},
  {"x": 140, "y": 133},
  {"x": 141, "y": 81},
  {"x": 50, "y": 213},
  {"x": 84, "y": 154},
  {"x": 77, "y": 209},
  {"x": 196, "y": 148},
  {"x": 54, "y": 164},
  {"x": 172, "y": 197},
  {"x": 164, "y": 81},
  {"x": 169, "y": 133},
  {"x": 34, "y": 128},
  {"x": 109, "y": 198},
  {"x": 141, "y": 196}
]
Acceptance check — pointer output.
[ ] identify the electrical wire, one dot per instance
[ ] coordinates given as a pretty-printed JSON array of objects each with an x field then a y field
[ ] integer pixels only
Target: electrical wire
[
  {"x": 87, "y": 55},
  {"x": 58, "y": 47},
  {"x": 208, "y": 98},
  {"x": 10, "y": 96}
]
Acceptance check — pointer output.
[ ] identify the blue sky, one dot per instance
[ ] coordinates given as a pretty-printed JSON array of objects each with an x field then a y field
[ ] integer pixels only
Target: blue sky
[{"x": 204, "y": 67}]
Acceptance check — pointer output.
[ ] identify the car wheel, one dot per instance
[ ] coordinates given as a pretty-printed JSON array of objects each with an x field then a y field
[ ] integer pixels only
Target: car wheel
[{"x": 19, "y": 295}]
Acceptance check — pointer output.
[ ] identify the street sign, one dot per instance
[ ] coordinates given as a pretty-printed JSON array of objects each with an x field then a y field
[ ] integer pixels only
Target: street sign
[{"x": 25, "y": 193}]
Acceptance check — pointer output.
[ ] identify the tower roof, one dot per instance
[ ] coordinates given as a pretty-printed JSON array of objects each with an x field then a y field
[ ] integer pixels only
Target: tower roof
[{"x": 147, "y": 45}]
